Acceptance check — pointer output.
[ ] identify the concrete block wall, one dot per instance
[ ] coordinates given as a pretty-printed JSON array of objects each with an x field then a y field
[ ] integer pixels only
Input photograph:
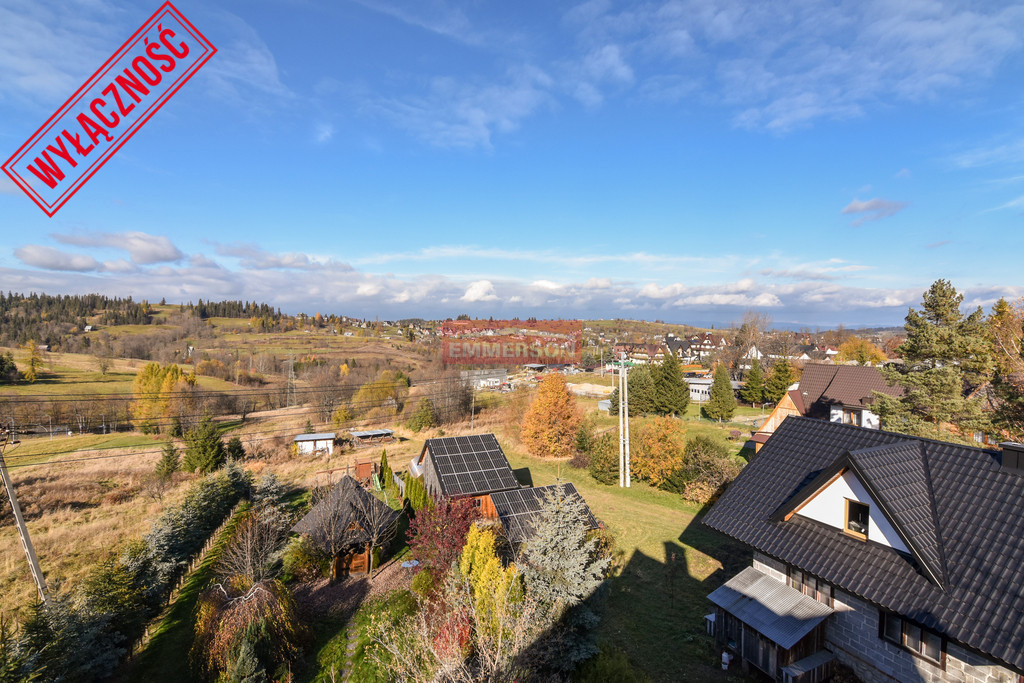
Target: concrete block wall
[{"x": 851, "y": 633}]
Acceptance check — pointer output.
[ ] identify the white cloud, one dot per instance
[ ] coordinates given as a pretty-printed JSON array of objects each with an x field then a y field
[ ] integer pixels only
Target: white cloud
[
  {"x": 54, "y": 259},
  {"x": 1012, "y": 204},
  {"x": 873, "y": 209},
  {"x": 252, "y": 256},
  {"x": 481, "y": 290},
  {"x": 143, "y": 248},
  {"x": 324, "y": 132},
  {"x": 453, "y": 114}
]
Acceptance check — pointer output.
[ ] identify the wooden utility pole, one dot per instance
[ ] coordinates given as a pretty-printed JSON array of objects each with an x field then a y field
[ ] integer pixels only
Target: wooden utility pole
[{"x": 19, "y": 520}]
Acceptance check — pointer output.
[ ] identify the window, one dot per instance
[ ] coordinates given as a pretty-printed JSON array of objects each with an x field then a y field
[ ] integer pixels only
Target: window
[
  {"x": 857, "y": 515},
  {"x": 851, "y": 417},
  {"x": 910, "y": 636},
  {"x": 810, "y": 586}
]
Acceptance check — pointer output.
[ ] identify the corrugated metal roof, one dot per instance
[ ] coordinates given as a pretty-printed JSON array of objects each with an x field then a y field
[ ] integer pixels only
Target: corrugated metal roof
[
  {"x": 782, "y": 614},
  {"x": 315, "y": 437},
  {"x": 370, "y": 433}
]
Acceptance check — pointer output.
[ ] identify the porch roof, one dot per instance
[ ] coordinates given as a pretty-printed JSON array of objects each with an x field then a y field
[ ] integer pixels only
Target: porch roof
[{"x": 782, "y": 614}]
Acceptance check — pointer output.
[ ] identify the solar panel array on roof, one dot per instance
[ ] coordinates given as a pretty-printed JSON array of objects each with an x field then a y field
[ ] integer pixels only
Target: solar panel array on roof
[
  {"x": 518, "y": 509},
  {"x": 471, "y": 465}
]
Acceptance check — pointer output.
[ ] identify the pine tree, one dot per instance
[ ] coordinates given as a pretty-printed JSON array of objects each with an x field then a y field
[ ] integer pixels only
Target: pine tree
[
  {"x": 779, "y": 380},
  {"x": 672, "y": 394},
  {"x": 641, "y": 391},
  {"x": 553, "y": 420},
  {"x": 204, "y": 451},
  {"x": 754, "y": 390},
  {"x": 385, "y": 469},
  {"x": 169, "y": 462},
  {"x": 424, "y": 417},
  {"x": 946, "y": 356},
  {"x": 245, "y": 667},
  {"x": 722, "y": 403},
  {"x": 235, "y": 449}
]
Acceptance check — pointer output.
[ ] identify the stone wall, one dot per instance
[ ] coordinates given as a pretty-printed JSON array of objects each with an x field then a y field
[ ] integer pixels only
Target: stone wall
[{"x": 851, "y": 633}]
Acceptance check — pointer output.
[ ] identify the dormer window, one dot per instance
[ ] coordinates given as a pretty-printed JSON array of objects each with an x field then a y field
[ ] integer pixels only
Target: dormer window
[{"x": 857, "y": 519}]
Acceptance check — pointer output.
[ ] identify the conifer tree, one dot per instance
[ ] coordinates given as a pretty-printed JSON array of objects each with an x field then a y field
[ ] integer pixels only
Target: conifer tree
[
  {"x": 779, "y": 380},
  {"x": 641, "y": 391},
  {"x": 722, "y": 403},
  {"x": 946, "y": 356},
  {"x": 169, "y": 462},
  {"x": 672, "y": 394},
  {"x": 754, "y": 390},
  {"x": 204, "y": 451}
]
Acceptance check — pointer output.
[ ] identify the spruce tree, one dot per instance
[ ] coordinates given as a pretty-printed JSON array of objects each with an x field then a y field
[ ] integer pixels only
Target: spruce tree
[
  {"x": 204, "y": 451},
  {"x": 235, "y": 449},
  {"x": 753, "y": 391},
  {"x": 945, "y": 357},
  {"x": 672, "y": 394},
  {"x": 779, "y": 380},
  {"x": 722, "y": 403},
  {"x": 641, "y": 391},
  {"x": 169, "y": 462}
]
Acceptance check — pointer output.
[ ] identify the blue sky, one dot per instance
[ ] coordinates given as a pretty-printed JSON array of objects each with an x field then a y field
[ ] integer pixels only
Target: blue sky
[{"x": 684, "y": 161}]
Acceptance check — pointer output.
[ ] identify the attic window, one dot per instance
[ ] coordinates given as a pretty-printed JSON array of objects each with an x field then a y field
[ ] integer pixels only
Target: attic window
[{"x": 857, "y": 519}]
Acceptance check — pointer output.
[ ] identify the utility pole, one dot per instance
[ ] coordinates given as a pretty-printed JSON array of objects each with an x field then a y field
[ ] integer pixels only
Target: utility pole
[
  {"x": 472, "y": 410},
  {"x": 19, "y": 520},
  {"x": 291, "y": 380},
  {"x": 622, "y": 433},
  {"x": 626, "y": 383}
]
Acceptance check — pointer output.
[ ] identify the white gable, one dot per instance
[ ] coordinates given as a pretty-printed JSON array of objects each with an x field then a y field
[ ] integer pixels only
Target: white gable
[{"x": 829, "y": 507}]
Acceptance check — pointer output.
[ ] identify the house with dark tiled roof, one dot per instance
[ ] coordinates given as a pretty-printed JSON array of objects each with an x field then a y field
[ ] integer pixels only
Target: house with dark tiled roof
[
  {"x": 837, "y": 393},
  {"x": 901, "y": 557}
]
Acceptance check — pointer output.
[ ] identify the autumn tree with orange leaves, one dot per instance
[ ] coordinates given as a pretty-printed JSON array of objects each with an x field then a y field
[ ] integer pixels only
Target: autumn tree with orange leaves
[
  {"x": 553, "y": 420},
  {"x": 657, "y": 449}
]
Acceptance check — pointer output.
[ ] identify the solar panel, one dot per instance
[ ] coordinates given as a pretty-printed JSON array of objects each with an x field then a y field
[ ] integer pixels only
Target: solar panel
[
  {"x": 478, "y": 455},
  {"x": 518, "y": 509}
]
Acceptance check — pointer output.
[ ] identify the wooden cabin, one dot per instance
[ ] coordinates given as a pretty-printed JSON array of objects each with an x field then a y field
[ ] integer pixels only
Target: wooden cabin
[
  {"x": 472, "y": 466},
  {"x": 339, "y": 525}
]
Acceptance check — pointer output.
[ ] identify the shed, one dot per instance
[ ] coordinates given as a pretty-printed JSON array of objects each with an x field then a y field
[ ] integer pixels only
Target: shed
[
  {"x": 371, "y": 436},
  {"x": 314, "y": 444}
]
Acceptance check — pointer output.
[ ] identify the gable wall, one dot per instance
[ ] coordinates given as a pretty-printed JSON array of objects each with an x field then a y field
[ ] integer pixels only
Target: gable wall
[
  {"x": 829, "y": 507},
  {"x": 867, "y": 418},
  {"x": 430, "y": 478},
  {"x": 851, "y": 633}
]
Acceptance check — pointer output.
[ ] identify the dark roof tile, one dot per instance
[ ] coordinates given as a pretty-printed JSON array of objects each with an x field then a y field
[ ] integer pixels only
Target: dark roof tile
[{"x": 975, "y": 532}]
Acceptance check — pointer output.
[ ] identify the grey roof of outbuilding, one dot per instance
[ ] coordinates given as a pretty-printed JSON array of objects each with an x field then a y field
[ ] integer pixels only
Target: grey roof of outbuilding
[
  {"x": 782, "y": 614},
  {"x": 976, "y": 534}
]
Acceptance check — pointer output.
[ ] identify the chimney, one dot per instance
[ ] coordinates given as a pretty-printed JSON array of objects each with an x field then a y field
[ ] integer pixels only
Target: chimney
[{"x": 1012, "y": 457}]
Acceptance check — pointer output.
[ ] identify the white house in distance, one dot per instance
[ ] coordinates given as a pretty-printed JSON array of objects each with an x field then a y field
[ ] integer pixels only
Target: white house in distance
[{"x": 315, "y": 444}]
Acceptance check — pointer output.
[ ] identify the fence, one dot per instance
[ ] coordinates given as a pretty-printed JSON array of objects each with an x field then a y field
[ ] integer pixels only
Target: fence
[{"x": 399, "y": 482}]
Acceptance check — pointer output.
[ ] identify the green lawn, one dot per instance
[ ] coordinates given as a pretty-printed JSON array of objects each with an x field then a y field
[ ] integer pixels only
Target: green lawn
[{"x": 654, "y": 608}]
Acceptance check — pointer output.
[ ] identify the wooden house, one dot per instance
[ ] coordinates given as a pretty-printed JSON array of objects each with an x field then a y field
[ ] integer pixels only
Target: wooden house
[
  {"x": 472, "y": 466},
  {"x": 340, "y": 525}
]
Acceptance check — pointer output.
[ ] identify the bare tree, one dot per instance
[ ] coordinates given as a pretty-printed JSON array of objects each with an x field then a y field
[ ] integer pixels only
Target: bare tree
[
  {"x": 253, "y": 550},
  {"x": 453, "y": 397},
  {"x": 325, "y": 390},
  {"x": 378, "y": 521}
]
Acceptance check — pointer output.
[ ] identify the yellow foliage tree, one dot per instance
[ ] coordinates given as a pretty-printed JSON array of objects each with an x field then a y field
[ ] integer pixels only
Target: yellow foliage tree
[
  {"x": 34, "y": 361},
  {"x": 657, "y": 450},
  {"x": 553, "y": 420},
  {"x": 155, "y": 387},
  {"x": 860, "y": 351},
  {"x": 494, "y": 587}
]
